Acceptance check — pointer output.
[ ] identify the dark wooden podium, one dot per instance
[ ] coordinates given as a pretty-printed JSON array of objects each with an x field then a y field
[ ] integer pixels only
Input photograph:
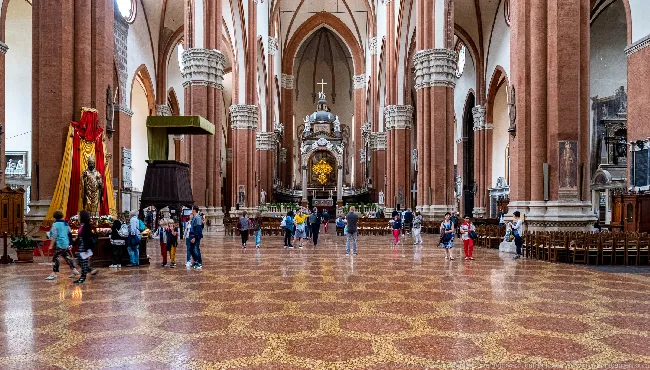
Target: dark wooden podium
[{"x": 631, "y": 212}]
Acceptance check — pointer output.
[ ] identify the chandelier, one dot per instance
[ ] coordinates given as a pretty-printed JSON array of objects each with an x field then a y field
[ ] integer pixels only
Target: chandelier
[{"x": 322, "y": 169}]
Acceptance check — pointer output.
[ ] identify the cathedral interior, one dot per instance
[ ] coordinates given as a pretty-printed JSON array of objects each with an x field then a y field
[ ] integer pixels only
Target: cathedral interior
[{"x": 481, "y": 108}]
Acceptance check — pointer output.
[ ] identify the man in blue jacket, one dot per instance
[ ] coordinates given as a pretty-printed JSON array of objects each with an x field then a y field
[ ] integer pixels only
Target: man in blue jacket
[{"x": 196, "y": 234}]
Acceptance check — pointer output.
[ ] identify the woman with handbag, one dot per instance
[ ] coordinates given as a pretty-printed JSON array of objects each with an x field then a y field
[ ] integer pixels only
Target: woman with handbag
[
  {"x": 468, "y": 231},
  {"x": 447, "y": 236},
  {"x": 301, "y": 228}
]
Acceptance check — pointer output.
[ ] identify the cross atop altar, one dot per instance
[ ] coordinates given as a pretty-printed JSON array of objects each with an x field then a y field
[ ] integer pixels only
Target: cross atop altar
[{"x": 322, "y": 84}]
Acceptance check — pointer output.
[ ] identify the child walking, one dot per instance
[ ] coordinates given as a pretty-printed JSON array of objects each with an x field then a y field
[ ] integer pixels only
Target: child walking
[
  {"x": 162, "y": 236},
  {"x": 397, "y": 226},
  {"x": 172, "y": 243},
  {"x": 60, "y": 234},
  {"x": 468, "y": 242},
  {"x": 87, "y": 240}
]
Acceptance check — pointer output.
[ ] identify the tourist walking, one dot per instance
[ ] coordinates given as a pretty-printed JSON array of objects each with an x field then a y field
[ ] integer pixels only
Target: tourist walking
[
  {"x": 314, "y": 221},
  {"x": 396, "y": 223},
  {"x": 517, "y": 231},
  {"x": 326, "y": 219},
  {"x": 288, "y": 225},
  {"x": 196, "y": 234},
  {"x": 60, "y": 234},
  {"x": 308, "y": 213},
  {"x": 161, "y": 233},
  {"x": 256, "y": 228},
  {"x": 408, "y": 221},
  {"x": 417, "y": 228},
  {"x": 86, "y": 240},
  {"x": 133, "y": 240},
  {"x": 352, "y": 221},
  {"x": 172, "y": 242},
  {"x": 119, "y": 233},
  {"x": 243, "y": 227},
  {"x": 467, "y": 228},
  {"x": 447, "y": 236},
  {"x": 301, "y": 232}
]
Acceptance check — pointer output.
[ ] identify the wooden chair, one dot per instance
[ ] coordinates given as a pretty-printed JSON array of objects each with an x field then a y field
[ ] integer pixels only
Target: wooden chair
[
  {"x": 606, "y": 248},
  {"x": 578, "y": 249},
  {"x": 593, "y": 248}
]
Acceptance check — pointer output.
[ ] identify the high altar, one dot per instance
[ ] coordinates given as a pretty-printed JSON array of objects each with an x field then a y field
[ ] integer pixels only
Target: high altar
[{"x": 322, "y": 152}]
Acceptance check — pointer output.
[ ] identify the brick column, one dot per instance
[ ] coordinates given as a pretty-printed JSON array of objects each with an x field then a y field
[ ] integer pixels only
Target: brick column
[
  {"x": 121, "y": 141},
  {"x": 399, "y": 121},
  {"x": 203, "y": 82},
  {"x": 435, "y": 76},
  {"x": 3, "y": 51},
  {"x": 480, "y": 161},
  {"x": 359, "y": 85},
  {"x": 638, "y": 114},
  {"x": 286, "y": 173},
  {"x": 266, "y": 146},
  {"x": 551, "y": 78},
  {"x": 244, "y": 122}
]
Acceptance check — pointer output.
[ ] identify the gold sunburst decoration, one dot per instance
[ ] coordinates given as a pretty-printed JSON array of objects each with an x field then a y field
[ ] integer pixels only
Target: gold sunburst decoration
[{"x": 322, "y": 169}]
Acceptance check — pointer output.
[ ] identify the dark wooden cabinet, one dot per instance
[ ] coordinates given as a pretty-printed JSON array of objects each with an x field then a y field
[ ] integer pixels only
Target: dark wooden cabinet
[
  {"x": 12, "y": 206},
  {"x": 631, "y": 212}
]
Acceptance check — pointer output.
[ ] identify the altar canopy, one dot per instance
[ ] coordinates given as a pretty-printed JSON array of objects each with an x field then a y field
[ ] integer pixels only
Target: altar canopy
[{"x": 85, "y": 138}]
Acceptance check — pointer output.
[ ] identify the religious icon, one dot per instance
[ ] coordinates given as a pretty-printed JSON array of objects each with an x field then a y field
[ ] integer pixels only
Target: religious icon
[
  {"x": 322, "y": 169},
  {"x": 262, "y": 197},
  {"x": 92, "y": 187},
  {"x": 241, "y": 195},
  {"x": 381, "y": 197},
  {"x": 568, "y": 164}
]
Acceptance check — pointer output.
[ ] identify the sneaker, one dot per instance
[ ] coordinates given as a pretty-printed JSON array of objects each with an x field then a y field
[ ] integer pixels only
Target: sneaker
[
  {"x": 355, "y": 253},
  {"x": 188, "y": 264},
  {"x": 347, "y": 253},
  {"x": 243, "y": 246},
  {"x": 286, "y": 246},
  {"x": 94, "y": 272},
  {"x": 74, "y": 273},
  {"x": 131, "y": 265},
  {"x": 113, "y": 266},
  {"x": 119, "y": 266},
  {"x": 163, "y": 264},
  {"x": 51, "y": 277},
  {"x": 300, "y": 246},
  {"x": 172, "y": 265},
  {"x": 79, "y": 281},
  {"x": 198, "y": 267},
  {"x": 291, "y": 247}
]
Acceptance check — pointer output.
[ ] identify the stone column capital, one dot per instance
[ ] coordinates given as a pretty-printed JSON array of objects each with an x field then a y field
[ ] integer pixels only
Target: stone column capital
[
  {"x": 203, "y": 67},
  {"x": 377, "y": 141},
  {"x": 122, "y": 109},
  {"x": 478, "y": 112},
  {"x": 372, "y": 45},
  {"x": 272, "y": 45},
  {"x": 163, "y": 110},
  {"x": 266, "y": 141},
  {"x": 244, "y": 117},
  {"x": 435, "y": 67},
  {"x": 287, "y": 82},
  {"x": 398, "y": 117},
  {"x": 3, "y": 47},
  {"x": 359, "y": 81}
]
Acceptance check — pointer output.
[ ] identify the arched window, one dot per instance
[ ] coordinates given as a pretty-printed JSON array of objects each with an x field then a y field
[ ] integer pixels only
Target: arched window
[
  {"x": 127, "y": 9},
  {"x": 461, "y": 50}
]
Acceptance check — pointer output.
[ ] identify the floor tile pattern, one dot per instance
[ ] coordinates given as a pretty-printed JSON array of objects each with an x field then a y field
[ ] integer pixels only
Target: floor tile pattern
[{"x": 274, "y": 308}]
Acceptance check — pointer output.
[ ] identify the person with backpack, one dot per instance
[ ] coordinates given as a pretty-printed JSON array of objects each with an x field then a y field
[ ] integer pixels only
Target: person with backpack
[
  {"x": 243, "y": 227},
  {"x": 256, "y": 228},
  {"x": 161, "y": 232},
  {"x": 61, "y": 241},
  {"x": 196, "y": 234},
  {"x": 314, "y": 221},
  {"x": 326, "y": 219},
  {"x": 287, "y": 225},
  {"x": 133, "y": 240},
  {"x": 119, "y": 233},
  {"x": 468, "y": 231},
  {"x": 517, "y": 226}
]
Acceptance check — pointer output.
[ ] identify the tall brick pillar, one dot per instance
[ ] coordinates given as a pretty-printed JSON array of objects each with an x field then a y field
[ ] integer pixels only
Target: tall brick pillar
[
  {"x": 551, "y": 79},
  {"x": 266, "y": 146},
  {"x": 73, "y": 55},
  {"x": 638, "y": 114},
  {"x": 244, "y": 122},
  {"x": 399, "y": 121},
  {"x": 286, "y": 152},
  {"x": 435, "y": 71}
]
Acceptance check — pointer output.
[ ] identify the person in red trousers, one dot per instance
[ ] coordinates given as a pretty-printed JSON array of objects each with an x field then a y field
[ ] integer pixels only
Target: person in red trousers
[{"x": 468, "y": 242}]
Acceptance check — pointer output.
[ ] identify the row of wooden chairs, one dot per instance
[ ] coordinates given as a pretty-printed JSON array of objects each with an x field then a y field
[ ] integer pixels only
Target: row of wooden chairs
[
  {"x": 490, "y": 236},
  {"x": 615, "y": 248}
]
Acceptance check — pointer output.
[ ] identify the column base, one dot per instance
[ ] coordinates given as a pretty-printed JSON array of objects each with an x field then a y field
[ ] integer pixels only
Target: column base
[
  {"x": 214, "y": 217},
  {"x": 555, "y": 215},
  {"x": 434, "y": 212},
  {"x": 37, "y": 212},
  {"x": 479, "y": 212}
]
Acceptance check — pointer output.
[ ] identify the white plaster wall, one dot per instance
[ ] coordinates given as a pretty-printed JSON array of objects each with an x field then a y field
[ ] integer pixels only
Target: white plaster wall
[
  {"x": 498, "y": 53},
  {"x": 175, "y": 80},
  {"x": 466, "y": 82},
  {"x": 139, "y": 52},
  {"x": 607, "y": 62},
  {"x": 640, "y": 10},
  {"x": 18, "y": 77},
  {"x": 139, "y": 150},
  {"x": 305, "y": 105},
  {"x": 500, "y": 136}
]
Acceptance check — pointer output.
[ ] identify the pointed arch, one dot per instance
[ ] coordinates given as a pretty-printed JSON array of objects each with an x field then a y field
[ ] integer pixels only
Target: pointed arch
[
  {"x": 142, "y": 74},
  {"x": 498, "y": 76}
]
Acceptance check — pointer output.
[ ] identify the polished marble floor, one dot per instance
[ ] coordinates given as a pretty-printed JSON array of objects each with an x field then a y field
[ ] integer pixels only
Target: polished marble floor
[{"x": 387, "y": 308}]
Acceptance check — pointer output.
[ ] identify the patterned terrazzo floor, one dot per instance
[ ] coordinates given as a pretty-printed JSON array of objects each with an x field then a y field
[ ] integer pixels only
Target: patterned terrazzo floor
[{"x": 387, "y": 308}]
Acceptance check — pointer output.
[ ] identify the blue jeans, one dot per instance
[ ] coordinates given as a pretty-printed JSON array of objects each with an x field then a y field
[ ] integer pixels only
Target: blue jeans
[
  {"x": 134, "y": 253},
  {"x": 258, "y": 237},
  {"x": 188, "y": 247},
  {"x": 195, "y": 251},
  {"x": 351, "y": 237}
]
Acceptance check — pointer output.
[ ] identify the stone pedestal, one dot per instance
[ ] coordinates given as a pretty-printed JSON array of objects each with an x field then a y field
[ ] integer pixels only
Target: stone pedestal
[
  {"x": 479, "y": 212},
  {"x": 434, "y": 212},
  {"x": 214, "y": 217},
  {"x": 554, "y": 215},
  {"x": 37, "y": 212}
]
